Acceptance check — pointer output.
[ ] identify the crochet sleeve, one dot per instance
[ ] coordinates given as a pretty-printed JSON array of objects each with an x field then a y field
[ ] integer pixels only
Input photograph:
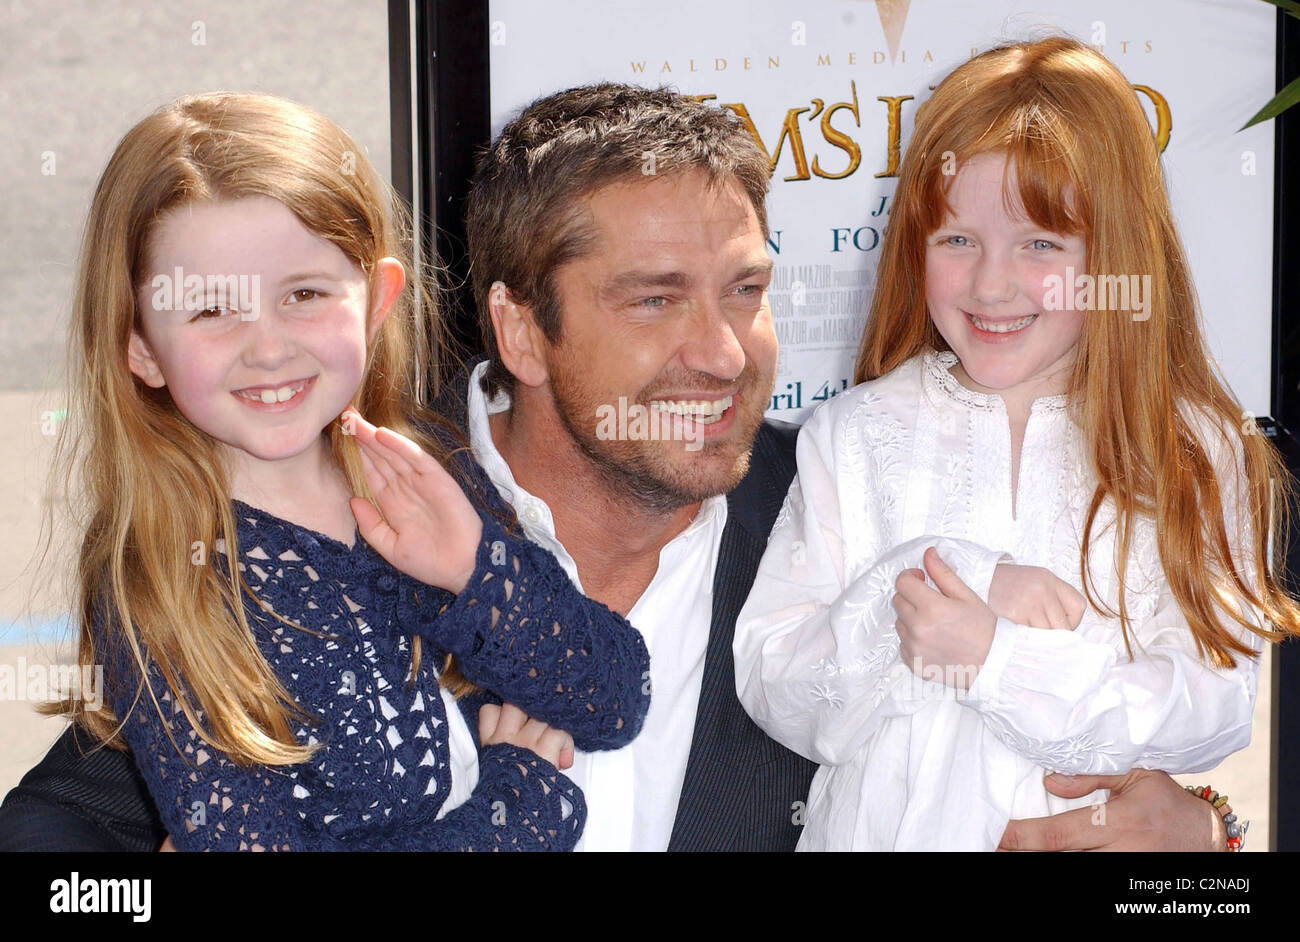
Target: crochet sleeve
[
  {"x": 523, "y": 630},
  {"x": 207, "y": 802}
]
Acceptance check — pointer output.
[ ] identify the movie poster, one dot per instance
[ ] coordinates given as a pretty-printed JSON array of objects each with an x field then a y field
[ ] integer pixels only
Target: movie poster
[{"x": 829, "y": 89}]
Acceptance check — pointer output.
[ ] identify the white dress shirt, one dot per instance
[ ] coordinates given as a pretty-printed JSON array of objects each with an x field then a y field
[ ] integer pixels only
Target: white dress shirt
[
  {"x": 915, "y": 459},
  {"x": 632, "y": 793}
]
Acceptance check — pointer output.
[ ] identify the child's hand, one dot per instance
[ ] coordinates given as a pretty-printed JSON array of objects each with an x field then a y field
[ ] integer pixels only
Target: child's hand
[
  {"x": 432, "y": 531},
  {"x": 507, "y": 723},
  {"x": 1033, "y": 596},
  {"x": 951, "y": 629}
]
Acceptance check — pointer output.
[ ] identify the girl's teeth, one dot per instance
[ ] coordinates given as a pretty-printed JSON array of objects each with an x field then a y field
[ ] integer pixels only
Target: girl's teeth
[
  {"x": 1003, "y": 328},
  {"x": 272, "y": 396}
]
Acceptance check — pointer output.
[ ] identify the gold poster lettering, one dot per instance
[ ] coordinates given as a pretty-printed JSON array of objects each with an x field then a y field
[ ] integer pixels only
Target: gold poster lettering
[
  {"x": 1164, "y": 119},
  {"x": 789, "y": 129},
  {"x": 895, "y": 104},
  {"x": 839, "y": 139}
]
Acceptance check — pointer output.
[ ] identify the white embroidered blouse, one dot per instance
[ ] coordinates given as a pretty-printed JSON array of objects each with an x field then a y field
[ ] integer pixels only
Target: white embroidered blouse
[{"x": 912, "y": 460}]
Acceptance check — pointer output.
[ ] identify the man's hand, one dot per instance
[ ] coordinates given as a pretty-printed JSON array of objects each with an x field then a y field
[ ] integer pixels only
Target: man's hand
[
  {"x": 507, "y": 723},
  {"x": 951, "y": 628},
  {"x": 1033, "y": 596},
  {"x": 431, "y": 531},
  {"x": 1147, "y": 810}
]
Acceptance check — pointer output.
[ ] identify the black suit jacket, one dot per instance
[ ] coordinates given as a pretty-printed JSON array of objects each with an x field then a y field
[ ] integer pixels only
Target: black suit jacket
[{"x": 742, "y": 791}]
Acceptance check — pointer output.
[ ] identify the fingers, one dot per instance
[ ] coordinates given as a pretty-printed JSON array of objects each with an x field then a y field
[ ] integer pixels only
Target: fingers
[
  {"x": 1076, "y": 786},
  {"x": 910, "y": 584},
  {"x": 1057, "y": 618},
  {"x": 401, "y": 449},
  {"x": 367, "y": 517},
  {"x": 1071, "y": 602},
  {"x": 1075, "y": 606},
  {"x": 1069, "y": 830},
  {"x": 389, "y": 450},
  {"x": 388, "y": 446},
  {"x": 489, "y": 715},
  {"x": 903, "y": 607},
  {"x": 552, "y": 744},
  {"x": 509, "y": 724},
  {"x": 947, "y": 581}
]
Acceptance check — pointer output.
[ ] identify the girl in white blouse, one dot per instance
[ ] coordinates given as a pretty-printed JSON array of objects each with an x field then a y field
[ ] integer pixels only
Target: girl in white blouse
[{"x": 1059, "y": 454}]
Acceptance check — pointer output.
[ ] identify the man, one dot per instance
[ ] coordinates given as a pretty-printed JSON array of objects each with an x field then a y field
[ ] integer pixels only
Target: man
[{"x": 617, "y": 240}]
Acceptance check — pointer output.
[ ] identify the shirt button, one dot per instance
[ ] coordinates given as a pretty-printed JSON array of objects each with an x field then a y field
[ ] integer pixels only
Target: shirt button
[{"x": 533, "y": 514}]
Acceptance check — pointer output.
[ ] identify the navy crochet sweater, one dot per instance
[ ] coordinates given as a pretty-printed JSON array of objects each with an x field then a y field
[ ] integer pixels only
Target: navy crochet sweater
[{"x": 520, "y": 629}]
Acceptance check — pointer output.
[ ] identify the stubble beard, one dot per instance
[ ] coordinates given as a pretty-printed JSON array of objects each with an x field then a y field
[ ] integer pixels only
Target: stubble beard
[{"x": 640, "y": 471}]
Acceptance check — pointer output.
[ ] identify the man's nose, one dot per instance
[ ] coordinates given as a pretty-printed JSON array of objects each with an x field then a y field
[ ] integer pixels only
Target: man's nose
[{"x": 712, "y": 346}]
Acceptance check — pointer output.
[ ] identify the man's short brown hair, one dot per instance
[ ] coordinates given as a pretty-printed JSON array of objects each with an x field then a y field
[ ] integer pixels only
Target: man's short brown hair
[{"x": 522, "y": 222}]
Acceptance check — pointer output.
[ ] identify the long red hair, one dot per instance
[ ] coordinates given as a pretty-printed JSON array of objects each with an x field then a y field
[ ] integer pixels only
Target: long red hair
[{"x": 1086, "y": 162}]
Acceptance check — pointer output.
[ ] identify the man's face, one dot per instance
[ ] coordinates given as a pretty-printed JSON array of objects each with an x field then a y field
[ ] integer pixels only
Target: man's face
[{"x": 667, "y": 311}]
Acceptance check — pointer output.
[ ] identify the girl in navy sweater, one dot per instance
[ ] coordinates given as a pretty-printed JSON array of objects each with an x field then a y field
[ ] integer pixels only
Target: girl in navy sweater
[{"x": 288, "y": 679}]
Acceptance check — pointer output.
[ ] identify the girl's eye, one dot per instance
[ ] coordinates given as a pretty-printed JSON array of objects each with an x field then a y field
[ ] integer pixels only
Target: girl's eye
[
  {"x": 304, "y": 294},
  {"x": 1043, "y": 244},
  {"x": 956, "y": 240},
  {"x": 212, "y": 313}
]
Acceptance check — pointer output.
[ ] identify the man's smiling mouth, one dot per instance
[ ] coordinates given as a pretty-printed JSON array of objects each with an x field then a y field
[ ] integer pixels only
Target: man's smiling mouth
[{"x": 703, "y": 411}]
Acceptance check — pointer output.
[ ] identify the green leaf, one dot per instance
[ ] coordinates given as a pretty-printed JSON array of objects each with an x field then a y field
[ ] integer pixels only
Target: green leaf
[
  {"x": 1287, "y": 6},
  {"x": 1280, "y": 103}
]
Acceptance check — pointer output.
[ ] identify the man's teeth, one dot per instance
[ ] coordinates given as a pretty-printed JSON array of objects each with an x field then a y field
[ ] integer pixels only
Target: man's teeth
[
  {"x": 1005, "y": 327},
  {"x": 272, "y": 396},
  {"x": 705, "y": 412}
]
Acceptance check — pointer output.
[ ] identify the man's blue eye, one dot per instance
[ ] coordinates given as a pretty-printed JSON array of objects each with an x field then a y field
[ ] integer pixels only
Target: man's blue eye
[{"x": 653, "y": 302}]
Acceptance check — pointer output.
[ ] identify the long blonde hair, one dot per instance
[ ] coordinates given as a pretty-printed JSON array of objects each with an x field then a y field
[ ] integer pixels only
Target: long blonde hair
[
  {"x": 151, "y": 483},
  {"x": 1086, "y": 161}
]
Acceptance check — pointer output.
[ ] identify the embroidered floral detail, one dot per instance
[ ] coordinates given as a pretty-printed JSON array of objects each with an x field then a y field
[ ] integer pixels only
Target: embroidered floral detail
[{"x": 823, "y": 693}]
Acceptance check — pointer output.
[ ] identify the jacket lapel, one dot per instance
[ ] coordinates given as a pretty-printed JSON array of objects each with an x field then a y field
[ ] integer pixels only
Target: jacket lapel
[{"x": 726, "y": 744}]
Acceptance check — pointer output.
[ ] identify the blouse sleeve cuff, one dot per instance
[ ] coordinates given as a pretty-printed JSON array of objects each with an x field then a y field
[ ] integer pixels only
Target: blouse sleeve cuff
[
  {"x": 983, "y": 566},
  {"x": 1036, "y": 671},
  {"x": 973, "y": 564}
]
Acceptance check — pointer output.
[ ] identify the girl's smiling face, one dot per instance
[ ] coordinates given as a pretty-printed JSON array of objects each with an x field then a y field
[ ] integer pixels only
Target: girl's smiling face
[
  {"x": 986, "y": 279},
  {"x": 300, "y": 340}
]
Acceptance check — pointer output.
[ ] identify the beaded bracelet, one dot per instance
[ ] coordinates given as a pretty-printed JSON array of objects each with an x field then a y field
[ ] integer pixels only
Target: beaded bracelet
[{"x": 1236, "y": 832}]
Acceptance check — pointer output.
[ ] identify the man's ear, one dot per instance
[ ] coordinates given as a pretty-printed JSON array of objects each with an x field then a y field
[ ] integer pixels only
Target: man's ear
[
  {"x": 520, "y": 342},
  {"x": 142, "y": 363}
]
